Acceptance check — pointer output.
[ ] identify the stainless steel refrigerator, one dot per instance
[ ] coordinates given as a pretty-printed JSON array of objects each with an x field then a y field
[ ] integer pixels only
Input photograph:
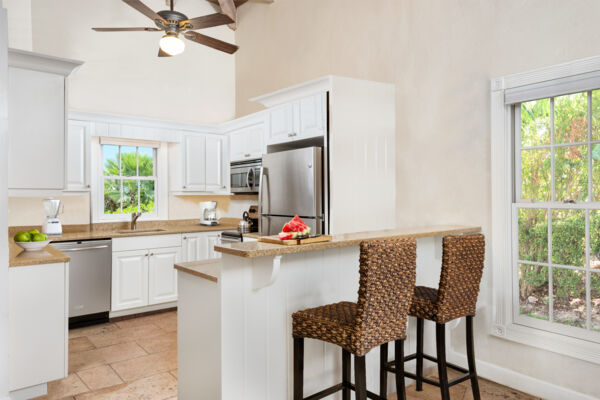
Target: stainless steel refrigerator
[{"x": 292, "y": 184}]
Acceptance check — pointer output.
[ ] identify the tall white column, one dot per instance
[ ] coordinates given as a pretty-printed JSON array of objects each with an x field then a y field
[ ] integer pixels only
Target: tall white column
[{"x": 3, "y": 205}]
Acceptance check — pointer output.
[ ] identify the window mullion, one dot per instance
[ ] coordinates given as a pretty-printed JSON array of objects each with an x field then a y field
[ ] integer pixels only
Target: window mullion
[
  {"x": 589, "y": 145},
  {"x": 552, "y": 166},
  {"x": 550, "y": 285}
]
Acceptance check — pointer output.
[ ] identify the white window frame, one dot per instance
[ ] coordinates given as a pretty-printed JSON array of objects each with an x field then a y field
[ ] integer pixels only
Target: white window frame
[
  {"x": 569, "y": 77},
  {"x": 161, "y": 182}
]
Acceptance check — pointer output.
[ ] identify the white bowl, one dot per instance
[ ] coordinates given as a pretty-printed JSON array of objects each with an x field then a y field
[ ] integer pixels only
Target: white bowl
[{"x": 33, "y": 246}]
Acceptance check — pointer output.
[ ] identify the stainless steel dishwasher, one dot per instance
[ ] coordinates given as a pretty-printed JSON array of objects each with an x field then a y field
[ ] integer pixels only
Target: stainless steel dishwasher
[{"x": 89, "y": 280}]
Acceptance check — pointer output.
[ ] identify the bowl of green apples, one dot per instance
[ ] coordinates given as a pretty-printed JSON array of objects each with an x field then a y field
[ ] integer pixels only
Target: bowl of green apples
[{"x": 32, "y": 240}]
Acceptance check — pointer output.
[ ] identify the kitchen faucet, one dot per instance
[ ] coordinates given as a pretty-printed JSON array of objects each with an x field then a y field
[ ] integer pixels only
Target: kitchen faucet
[{"x": 134, "y": 218}]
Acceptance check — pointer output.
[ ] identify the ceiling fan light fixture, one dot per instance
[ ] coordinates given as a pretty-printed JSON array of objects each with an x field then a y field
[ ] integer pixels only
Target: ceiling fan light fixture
[{"x": 172, "y": 44}]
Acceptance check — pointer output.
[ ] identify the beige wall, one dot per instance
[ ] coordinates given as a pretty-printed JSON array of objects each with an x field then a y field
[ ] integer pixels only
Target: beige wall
[
  {"x": 441, "y": 56},
  {"x": 122, "y": 73},
  {"x": 19, "y": 23}
]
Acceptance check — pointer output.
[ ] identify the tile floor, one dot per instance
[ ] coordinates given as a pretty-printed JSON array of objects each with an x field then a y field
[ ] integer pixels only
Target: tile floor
[{"x": 136, "y": 359}]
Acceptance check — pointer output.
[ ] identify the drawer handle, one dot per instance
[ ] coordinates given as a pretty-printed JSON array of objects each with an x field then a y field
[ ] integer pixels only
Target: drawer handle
[
  {"x": 185, "y": 238},
  {"x": 151, "y": 254},
  {"x": 292, "y": 134},
  {"x": 247, "y": 155}
]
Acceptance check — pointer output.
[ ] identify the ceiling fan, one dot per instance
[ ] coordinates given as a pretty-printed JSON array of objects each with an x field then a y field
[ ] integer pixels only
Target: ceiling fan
[{"x": 174, "y": 23}]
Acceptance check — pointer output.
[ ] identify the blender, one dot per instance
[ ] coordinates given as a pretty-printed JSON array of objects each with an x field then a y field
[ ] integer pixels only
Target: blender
[{"x": 52, "y": 225}]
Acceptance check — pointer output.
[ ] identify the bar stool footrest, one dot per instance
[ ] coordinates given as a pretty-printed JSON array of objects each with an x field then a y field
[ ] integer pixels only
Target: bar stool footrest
[
  {"x": 336, "y": 388},
  {"x": 389, "y": 367}
]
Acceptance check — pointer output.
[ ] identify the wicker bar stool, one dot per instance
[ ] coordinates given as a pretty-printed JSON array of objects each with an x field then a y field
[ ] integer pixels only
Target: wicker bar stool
[
  {"x": 386, "y": 285},
  {"x": 462, "y": 267}
]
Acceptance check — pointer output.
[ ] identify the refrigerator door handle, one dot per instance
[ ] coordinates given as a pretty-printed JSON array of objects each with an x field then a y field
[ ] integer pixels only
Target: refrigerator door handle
[{"x": 261, "y": 187}]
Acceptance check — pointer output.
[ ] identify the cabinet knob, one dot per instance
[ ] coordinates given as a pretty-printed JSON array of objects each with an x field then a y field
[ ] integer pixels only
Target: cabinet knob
[
  {"x": 185, "y": 238},
  {"x": 247, "y": 155},
  {"x": 292, "y": 134},
  {"x": 185, "y": 187},
  {"x": 151, "y": 254},
  {"x": 88, "y": 186}
]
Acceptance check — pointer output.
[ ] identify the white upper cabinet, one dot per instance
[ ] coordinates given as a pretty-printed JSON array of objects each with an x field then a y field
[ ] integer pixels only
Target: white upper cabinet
[
  {"x": 215, "y": 176},
  {"x": 312, "y": 116},
  {"x": 194, "y": 163},
  {"x": 281, "y": 124},
  {"x": 78, "y": 155},
  {"x": 247, "y": 137},
  {"x": 198, "y": 164},
  {"x": 301, "y": 119},
  {"x": 37, "y": 120}
]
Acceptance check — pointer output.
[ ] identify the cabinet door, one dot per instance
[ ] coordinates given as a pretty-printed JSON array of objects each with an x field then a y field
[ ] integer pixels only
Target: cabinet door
[
  {"x": 162, "y": 276},
  {"x": 194, "y": 163},
  {"x": 214, "y": 164},
  {"x": 213, "y": 239},
  {"x": 312, "y": 116},
  {"x": 281, "y": 124},
  {"x": 129, "y": 279},
  {"x": 247, "y": 143},
  {"x": 195, "y": 247},
  {"x": 36, "y": 130},
  {"x": 37, "y": 324},
  {"x": 78, "y": 155}
]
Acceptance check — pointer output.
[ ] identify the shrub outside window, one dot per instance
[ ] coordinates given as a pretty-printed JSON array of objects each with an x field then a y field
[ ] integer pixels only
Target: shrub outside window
[
  {"x": 557, "y": 214},
  {"x": 129, "y": 179}
]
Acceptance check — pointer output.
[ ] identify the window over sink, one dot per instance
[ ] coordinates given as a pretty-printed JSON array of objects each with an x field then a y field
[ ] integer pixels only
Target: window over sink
[{"x": 127, "y": 179}]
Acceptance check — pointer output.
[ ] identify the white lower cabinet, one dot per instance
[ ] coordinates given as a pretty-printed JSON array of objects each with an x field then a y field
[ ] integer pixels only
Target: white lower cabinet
[
  {"x": 143, "y": 272},
  {"x": 162, "y": 277},
  {"x": 200, "y": 246},
  {"x": 129, "y": 279},
  {"x": 38, "y": 307}
]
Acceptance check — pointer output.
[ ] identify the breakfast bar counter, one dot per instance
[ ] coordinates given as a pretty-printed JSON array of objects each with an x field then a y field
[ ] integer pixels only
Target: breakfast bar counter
[{"x": 235, "y": 317}]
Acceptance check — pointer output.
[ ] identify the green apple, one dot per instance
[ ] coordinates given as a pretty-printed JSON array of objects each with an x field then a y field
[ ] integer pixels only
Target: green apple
[
  {"x": 33, "y": 232},
  {"x": 22, "y": 237},
  {"x": 38, "y": 237}
]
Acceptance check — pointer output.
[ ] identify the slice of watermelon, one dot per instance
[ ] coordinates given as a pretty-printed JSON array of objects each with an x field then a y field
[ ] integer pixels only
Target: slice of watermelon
[{"x": 285, "y": 236}]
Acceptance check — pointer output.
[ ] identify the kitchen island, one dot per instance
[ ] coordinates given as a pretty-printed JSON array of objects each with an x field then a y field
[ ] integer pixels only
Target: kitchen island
[{"x": 235, "y": 314}]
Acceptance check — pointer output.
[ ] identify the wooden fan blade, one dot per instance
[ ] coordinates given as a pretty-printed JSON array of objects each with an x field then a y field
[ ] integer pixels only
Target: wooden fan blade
[
  {"x": 208, "y": 21},
  {"x": 229, "y": 9},
  {"x": 211, "y": 42},
  {"x": 144, "y": 9},
  {"x": 125, "y": 29},
  {"x": 161, "y": 53}
]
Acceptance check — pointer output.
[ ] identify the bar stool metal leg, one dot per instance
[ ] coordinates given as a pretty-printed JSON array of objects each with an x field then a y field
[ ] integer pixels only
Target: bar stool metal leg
[
  {"x": 440, "y": 338},
  {"x": 360, "y": 378},
  {"x": 346, "y": 375},
  {"x": 383, "y": 358},
  {"x": 399, "y": 366},
  {"x": 471, "y": 359},
  {"x": 298, "y": 368},
  {"x": 419, "y": 384}
]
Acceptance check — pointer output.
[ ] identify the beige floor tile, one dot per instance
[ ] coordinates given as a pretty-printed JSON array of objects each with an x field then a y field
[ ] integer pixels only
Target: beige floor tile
[
  {"x": 150, "y": 319},
  {"x": 156, "y": 387},
  {"x": 99, "y": 377},
  {"x": 125, "y": 335},
  {"x": 80, "y": 344},
  {"x": 92, "y": 330},
  {"x": 494, "y": 391},
  {"x": 160, "y": 343},
  {"x": 104, "y": 355},
  {"x": 142, "y": 367},
  {"x": 69, "y": 386}
]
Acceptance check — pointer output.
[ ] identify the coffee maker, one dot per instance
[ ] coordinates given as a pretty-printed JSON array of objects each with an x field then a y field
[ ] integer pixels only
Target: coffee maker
[
  {"x": 209, "y": 213},
  {"x": 52, "y": 225}
]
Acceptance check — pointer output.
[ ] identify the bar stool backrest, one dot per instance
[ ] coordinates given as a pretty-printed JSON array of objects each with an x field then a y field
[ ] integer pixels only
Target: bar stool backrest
[
  {"x": 386, "y": 286},
  {"x": 462, "y": 267}
]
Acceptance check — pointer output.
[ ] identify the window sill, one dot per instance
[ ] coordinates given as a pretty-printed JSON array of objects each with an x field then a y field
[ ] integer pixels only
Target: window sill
[{"x": 565, "y": 345}]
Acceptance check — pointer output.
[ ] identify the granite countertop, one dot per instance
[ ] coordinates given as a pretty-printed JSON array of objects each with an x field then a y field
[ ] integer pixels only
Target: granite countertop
[
  {"x": 206, "y": 269},
  {"x": 17, "y": 256},
  {"x": 260, "y": 249}
]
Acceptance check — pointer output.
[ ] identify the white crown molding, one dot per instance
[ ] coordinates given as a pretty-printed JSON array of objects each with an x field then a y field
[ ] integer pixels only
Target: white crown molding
[
  {"x": 295, "y": 92},
  {"x": 42, "y": 62}
]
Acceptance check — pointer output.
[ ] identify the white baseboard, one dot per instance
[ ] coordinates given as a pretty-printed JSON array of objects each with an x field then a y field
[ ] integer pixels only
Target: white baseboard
[
  {"x": 140, "y": 310},
  {"x": 522, "y": 382},
  {"x": 29, "y": 392}
]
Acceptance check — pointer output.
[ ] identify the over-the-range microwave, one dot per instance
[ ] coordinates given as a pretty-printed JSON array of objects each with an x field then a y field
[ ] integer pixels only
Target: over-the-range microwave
[{"x": 245, "y": 176}]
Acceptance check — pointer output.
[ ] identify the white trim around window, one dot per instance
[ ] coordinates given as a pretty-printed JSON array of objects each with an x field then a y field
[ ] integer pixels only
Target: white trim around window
[
  {"x": 568, "y": 78},
  {"x": 97, "y": 182}
]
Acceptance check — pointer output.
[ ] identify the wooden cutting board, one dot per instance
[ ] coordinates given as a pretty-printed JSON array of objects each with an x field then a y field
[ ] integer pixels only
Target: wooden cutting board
[{"x": 295, "y": 242}]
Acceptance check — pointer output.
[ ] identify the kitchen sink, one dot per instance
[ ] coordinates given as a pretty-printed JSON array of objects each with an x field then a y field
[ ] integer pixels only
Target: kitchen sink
[{"x": 143, "y": 230}]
